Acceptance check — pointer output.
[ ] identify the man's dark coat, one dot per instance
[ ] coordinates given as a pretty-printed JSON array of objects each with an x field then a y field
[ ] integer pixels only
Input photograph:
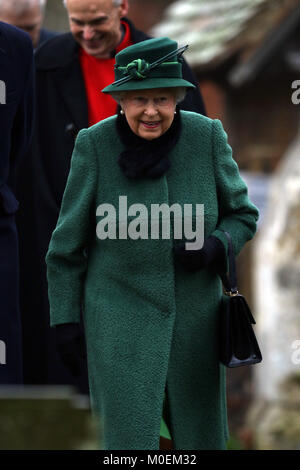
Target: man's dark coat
[
  {"x": 61, "y": 112},
  {"x": 45, "y": 35},
  {"x": 16, "y": 123}
]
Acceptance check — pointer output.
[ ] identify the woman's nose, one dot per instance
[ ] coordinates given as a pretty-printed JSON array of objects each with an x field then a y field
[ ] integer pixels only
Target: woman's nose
[{"x": 150, "y": 109}]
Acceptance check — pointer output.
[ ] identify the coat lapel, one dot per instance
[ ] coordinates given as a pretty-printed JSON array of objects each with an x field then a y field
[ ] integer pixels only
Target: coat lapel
[
  {"x": 64, "y": 67},
  {"x": 70, "y": 83}
]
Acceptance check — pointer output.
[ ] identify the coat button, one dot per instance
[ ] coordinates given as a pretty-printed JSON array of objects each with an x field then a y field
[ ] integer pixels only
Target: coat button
[{"x": 70, "y": 127}]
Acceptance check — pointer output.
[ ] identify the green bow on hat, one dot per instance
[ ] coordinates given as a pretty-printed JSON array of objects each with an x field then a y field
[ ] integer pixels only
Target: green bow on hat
[
  {"x": 136, "y": 69},
  {"x": 154, "y": 63}
]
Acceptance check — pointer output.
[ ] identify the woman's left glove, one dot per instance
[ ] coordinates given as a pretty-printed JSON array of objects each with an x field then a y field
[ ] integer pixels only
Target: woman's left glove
[
  {"x": 71, "y": 346},
  {"x": 212, "y": 254}
]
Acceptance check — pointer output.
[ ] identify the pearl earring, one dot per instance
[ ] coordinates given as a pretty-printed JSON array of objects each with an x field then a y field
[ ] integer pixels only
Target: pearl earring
[
  {"x": 122, "y": 112},
  {"x": 175, "y": 112}
]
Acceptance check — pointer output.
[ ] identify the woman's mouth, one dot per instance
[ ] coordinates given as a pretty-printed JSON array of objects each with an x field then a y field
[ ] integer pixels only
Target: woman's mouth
[{"x": 150, "y": 124}]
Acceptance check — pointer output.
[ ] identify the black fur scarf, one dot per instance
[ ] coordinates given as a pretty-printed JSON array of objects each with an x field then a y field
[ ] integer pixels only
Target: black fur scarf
[{"x": 146, "y": 158}]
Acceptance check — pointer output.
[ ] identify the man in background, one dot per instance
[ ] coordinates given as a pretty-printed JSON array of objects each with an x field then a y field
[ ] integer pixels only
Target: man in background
[
  {"x": 72, "y": 69},
  {"x": 16, "y": 123},
  {"x": 27, "y": 15}
]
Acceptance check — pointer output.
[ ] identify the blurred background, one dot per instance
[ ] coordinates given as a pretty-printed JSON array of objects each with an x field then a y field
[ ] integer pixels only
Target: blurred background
[{"x": 246, "y": 56}]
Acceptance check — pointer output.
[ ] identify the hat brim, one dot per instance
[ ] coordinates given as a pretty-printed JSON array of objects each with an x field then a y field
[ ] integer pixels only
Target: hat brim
[{"x": 148, "y": 84}]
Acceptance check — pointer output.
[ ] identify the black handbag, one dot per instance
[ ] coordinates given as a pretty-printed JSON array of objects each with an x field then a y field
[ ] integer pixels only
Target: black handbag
[{"x": 238, "y": 344}]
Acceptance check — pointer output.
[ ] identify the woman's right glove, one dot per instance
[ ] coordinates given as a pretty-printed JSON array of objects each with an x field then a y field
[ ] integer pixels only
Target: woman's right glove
[
  {"x": 71, "y": 346},
  {"x": 212, "y": 254}
]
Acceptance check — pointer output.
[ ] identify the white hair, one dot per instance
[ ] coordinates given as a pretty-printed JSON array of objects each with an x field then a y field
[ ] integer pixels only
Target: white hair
[
  {"x": 20, "y": 6},
  {"x": 178, "y": 92},
  {"x": 116, "y": 3}
]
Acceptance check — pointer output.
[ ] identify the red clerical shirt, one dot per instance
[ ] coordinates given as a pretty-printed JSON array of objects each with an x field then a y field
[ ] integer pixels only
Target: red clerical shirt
[{"x": 97, "y": 74}]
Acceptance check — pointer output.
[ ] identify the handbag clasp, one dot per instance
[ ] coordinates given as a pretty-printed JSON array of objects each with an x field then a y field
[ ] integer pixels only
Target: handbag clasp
[{"x": 230, "y": 293}]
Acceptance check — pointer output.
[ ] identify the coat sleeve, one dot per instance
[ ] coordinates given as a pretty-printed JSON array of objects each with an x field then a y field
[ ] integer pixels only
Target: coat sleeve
[
  {"x": 237, "y": 214},
  {"x": 66, "y": 257}
]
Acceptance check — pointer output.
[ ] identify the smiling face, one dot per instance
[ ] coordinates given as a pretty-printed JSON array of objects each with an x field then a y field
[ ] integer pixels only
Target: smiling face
[
  {"x": 95, "y": 24},
  {"x": 149, "y": 113}
]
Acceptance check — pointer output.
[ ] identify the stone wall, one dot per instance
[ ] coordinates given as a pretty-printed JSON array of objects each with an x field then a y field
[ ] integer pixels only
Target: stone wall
[{"x": 46, "y": 418}]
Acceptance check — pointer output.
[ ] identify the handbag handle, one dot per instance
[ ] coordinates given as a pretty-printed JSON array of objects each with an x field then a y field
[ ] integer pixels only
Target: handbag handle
[{"x": 230, "y": 282}]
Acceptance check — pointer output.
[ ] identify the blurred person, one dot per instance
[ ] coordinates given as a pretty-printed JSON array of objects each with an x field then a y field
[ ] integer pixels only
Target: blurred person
[
  {"x": 150, "y": 303},
  {"x": 72, "y": 69},
  {"x": 16, "y": 124},
  {"x": 27, "y": 15}
]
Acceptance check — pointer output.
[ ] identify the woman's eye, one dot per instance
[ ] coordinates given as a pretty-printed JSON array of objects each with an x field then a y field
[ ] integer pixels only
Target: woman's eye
[
  {"x": 162, "y": 99},
  {"x": 139, "y": 99}
]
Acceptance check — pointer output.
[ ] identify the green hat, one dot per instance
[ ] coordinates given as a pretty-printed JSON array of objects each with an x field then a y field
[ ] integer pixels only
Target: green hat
[{"x": 154, "y": 63}]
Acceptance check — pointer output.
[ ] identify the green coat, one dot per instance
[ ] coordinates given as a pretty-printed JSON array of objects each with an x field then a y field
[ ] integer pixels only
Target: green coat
[{"x": 148, "y": 322}]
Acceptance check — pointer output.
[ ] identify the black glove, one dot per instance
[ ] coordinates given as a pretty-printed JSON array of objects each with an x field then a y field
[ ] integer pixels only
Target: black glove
[
  {"x": 71, "y": 346},
  {"x": 212, "y": 255}
]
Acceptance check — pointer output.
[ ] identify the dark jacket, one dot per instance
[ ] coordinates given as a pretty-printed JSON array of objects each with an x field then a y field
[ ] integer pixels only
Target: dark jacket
[
  {"x": 45, "y": 35},
  {"x": 16, "y": 121},
  {"x": 61, "y": 113}
]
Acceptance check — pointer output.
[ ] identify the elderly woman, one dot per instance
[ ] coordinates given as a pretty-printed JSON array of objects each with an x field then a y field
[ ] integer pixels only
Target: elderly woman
[{"x": 149, "y": 301}]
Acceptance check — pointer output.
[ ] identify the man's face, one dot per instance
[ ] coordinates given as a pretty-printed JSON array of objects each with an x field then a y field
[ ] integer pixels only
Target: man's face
[
  {"x": 95, "y": 24},
  {"x": 30, "y": 21}
]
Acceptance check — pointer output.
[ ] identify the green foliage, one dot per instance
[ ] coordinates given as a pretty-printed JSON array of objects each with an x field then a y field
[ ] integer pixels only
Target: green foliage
[{"x": 235, "y": 444}]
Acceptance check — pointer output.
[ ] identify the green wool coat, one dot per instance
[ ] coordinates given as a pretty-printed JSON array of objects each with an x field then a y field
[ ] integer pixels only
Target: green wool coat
[{"x": 148, "y": 322}]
